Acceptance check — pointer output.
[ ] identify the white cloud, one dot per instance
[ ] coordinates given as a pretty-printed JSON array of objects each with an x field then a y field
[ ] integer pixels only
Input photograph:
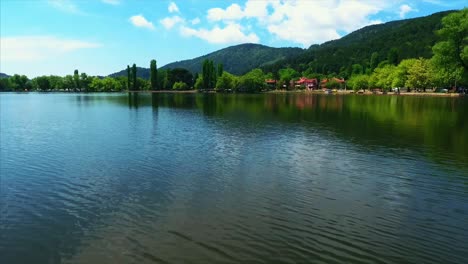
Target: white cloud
[
  {"x": 404, "y": 9},
  {"x": 303, "y": 21},
  {"x": 195, "y": 21},
  {"x": 173, "y": 8},
  {"x": 233, "y": 12},
  {"x": 230, "y": 34},
  {"x": 33, "y": 48},
  {"x": 140, "y": 21},
  {"x": 170, "y": 22},
  {"x": 66, "y": 6},
  {"x": 111, "y": 2}
]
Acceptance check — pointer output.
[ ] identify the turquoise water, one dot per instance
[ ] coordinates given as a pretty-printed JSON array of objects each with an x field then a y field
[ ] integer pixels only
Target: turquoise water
[{"x": 271, "y": 178}]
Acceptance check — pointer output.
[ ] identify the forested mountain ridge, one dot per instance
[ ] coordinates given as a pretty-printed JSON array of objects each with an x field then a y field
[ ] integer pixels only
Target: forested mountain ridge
[
  {"x": 402, "y": 39},
  {"x": 237, "y": 59}
]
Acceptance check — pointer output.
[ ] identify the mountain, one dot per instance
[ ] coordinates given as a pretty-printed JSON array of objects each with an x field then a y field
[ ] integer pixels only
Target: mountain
[
  {"x": 4, "y": 75},
  {"x": 141, "y": 72},
  {"x": 237, "y": 59},
  {"x": 409, "y": 38}
]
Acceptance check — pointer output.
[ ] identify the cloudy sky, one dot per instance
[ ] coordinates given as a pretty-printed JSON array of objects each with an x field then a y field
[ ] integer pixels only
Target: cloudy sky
[{"x": 42, "y": 37}]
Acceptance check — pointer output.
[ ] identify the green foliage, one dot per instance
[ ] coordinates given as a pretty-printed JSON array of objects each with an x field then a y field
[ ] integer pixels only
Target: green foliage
[
  {"x": 153, "y": 75},
  {"x": 180, "y": 86},
  {"x": 359, "y": 82},
  {"x": 226, "y": 82},
  {"x": 179, "y": 75},
  {"x": 134, "y": 77},
  {"x": 451, "y": 53},
  {"x": 419, "y": 75},
  {"x": 393, "y": 56},
  {"x": 43, "y": 83},
  {"x": 199, "y": 83},
  {"x": 357, "y": 69},
  {"x": 382, "y": 77},
  {"x": 107, "y": 84},
  {"x": 129, "y": 78},
  {"x": 410, "y": 38},
  {"x": 76, "y": 80},
  {"x": 286, "y": 76},
  {"x": 209, "y": 74},
  {"x": 333, "y": 84},
  {"x": 253, "y": 81},
  {"x": 220, "y": 70}
]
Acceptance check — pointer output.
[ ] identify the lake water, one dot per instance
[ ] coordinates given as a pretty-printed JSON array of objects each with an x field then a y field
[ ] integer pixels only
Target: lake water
[{"x": 206, "y": 178}]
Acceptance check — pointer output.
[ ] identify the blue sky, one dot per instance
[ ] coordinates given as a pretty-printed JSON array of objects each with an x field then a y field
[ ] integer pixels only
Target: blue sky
[{"x": 99, "y": 37}]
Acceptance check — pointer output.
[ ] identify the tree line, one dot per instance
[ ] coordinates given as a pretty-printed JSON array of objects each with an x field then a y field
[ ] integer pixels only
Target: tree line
[{"x": 448, "y": 67}]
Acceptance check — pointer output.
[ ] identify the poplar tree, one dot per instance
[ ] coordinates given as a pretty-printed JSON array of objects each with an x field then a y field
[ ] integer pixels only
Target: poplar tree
[{"x": 153, "y": 75}]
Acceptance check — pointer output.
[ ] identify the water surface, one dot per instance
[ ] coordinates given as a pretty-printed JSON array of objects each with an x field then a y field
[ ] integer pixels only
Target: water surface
[{"x": 271, "y": 178}]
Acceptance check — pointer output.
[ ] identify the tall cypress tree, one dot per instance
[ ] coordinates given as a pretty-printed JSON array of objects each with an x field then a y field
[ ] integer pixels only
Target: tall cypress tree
[
  {"x": 76, "y": 79},
  {"x": 129, "y": 78},
  {"x": 134, "y": 77},
  {"x": 153, "y": 75},
  {"x": 220, "y": 70}
]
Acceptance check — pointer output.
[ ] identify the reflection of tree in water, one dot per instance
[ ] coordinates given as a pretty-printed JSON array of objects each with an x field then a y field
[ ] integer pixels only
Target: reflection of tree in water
[{"x": 389, "y": 121}]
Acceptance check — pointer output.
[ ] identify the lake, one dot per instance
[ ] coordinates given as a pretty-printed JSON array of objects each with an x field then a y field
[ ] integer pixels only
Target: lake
[{"x": 213, "y": 178}]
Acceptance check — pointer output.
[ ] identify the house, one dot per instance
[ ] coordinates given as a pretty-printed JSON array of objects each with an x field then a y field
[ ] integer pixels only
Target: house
[
  {"x": 270, "y": 83},
  {"x": 307, "y": 83}
]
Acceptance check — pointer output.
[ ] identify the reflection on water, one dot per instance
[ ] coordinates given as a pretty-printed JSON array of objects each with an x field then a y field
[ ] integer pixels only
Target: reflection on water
[{"x": 203, "y": 178}]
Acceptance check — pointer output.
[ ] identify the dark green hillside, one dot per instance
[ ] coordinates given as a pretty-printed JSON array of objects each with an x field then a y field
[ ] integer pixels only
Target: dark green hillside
[
  {"x": 237, "y": 59},
  {"x": 141, "y": 73},
  {"x": 410, "y": 38},
  {"x": 4, "y": 75},
  {"x": 240, "y": 59}
]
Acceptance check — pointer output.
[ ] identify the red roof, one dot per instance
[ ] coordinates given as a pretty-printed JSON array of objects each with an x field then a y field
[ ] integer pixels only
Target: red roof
[
  {"x": 304, "y": 80},
  {"x": 270, "y": 81},
  {"x": 335, "y": 79}
]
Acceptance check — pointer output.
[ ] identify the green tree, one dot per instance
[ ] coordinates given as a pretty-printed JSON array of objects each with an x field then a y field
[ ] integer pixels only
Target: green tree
[
  {"x": 43, "y": 83},
  {"x": 253, "y": 81},
  {"x": 208, "y": 74},
  {"x": 357, "y": 69},
  {"x": 359, "y": 82},
  {"x": 451, "y": 53},
  {"x": 68, "y": 82},
  {"x": 153, "y": 75},
  {"x": 287, "y": 75},
  {"x": 134, "y": 77},
  {"x": 76, "y": 79},
  {"x": 225, "y": 82},
  {"x": 393, "y": 56},
  {"x": 220, "y": 70},
  {"x": 374, "y": 60},
  {"x": 179, "y": 86},
  {"x": 419, "y": 75},
  {"x": 199, "y": 83},
  {"x": 85, "y": 81},
  {"x": 129, "y": 78}
]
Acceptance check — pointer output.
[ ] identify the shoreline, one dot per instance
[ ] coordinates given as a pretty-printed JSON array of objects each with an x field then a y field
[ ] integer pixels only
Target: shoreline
[
  {"x": 368, "y": 93},
  {"x": 347, "y": 92}
]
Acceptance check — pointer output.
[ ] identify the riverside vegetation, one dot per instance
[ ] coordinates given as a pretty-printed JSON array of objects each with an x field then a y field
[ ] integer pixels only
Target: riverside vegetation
[{"x": 444, "y": 65}]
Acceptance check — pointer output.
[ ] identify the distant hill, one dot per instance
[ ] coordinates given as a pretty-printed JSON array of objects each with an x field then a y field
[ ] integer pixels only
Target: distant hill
[
  {"x": 4, "y": 75},
  {"x": 410, "y": 38},
  {"x": 141, "y": 72},
  {"x": 237, "y": 59}
]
